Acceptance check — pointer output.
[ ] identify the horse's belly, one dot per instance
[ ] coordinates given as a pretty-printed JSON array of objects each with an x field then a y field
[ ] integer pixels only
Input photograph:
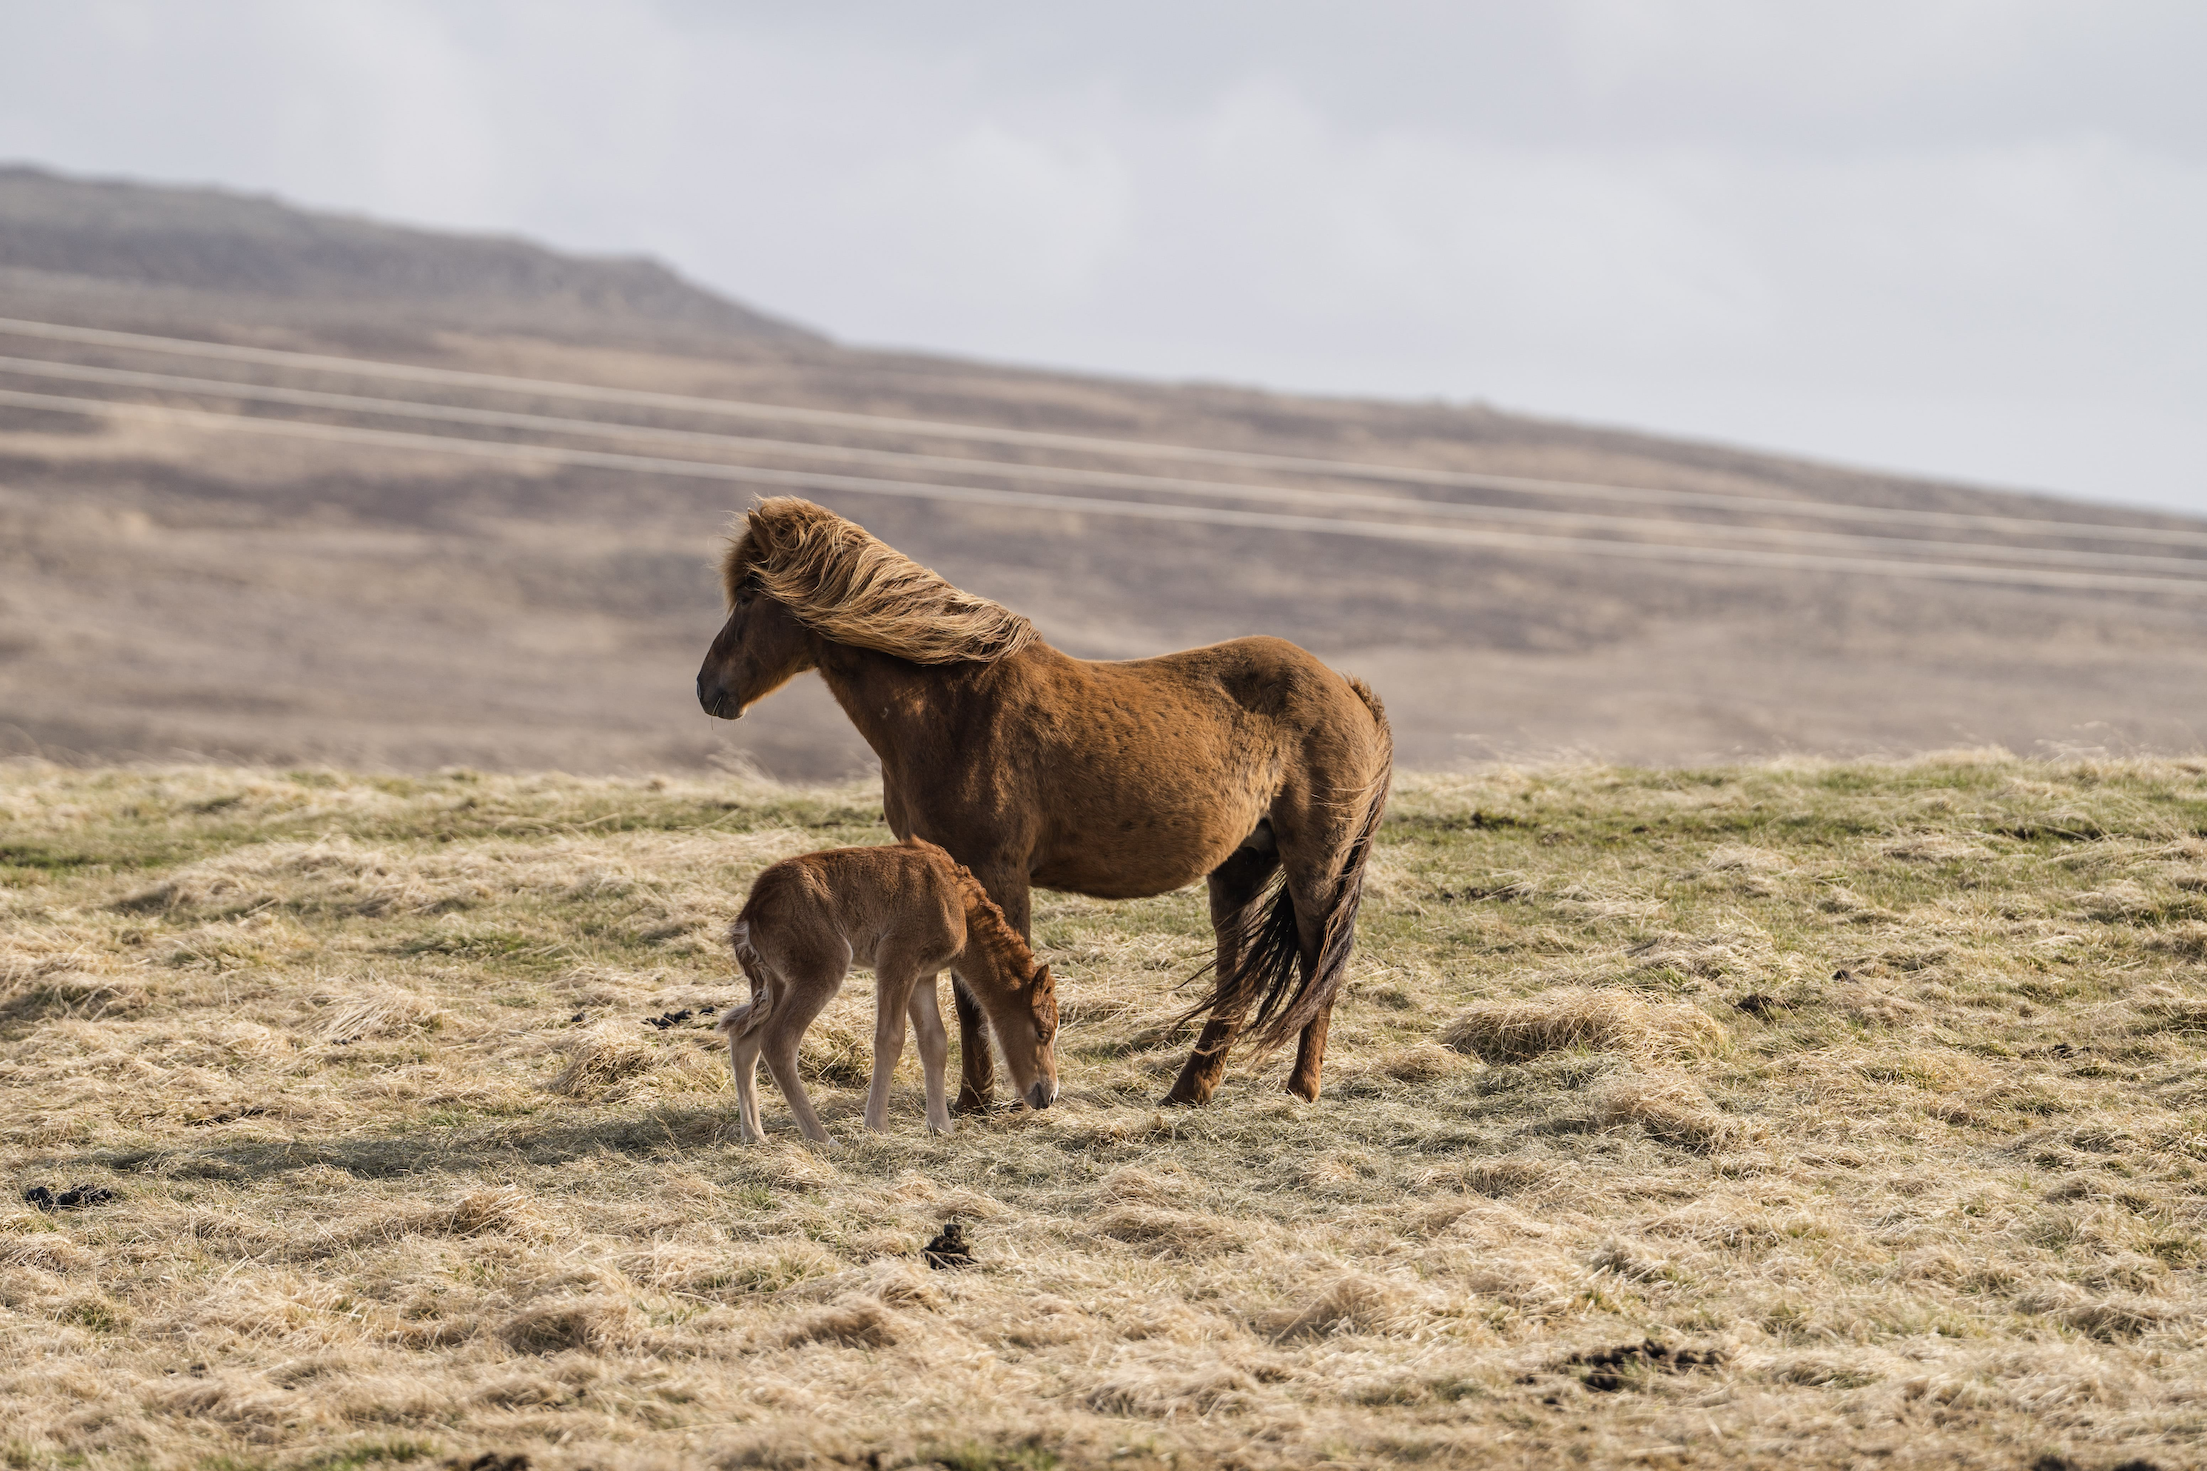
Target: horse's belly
[
  {"x": 1136, "y": 857},
  {"x": 1120, "y": 881}
]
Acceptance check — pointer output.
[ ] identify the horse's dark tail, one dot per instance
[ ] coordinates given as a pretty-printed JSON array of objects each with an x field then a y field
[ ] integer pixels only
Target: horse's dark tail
[{"x": 1270, "y": 978}]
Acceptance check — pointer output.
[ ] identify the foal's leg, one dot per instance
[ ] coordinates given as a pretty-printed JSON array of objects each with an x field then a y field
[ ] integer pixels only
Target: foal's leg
[
  {"x": 743, "y": 1054},
  {"x": 927, "y": 1028},
  {"x": 1235, "y": 885},
  {"x": 1007, "y": 885},
  {"x": 743, "y": 1060},
  {"x": 805, "y": 993},
  {"x": 894, "y": 983}
]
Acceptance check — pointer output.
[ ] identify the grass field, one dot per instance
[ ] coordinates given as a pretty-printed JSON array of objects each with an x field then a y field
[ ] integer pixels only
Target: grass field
[{"x": 1804, "y": 1115}]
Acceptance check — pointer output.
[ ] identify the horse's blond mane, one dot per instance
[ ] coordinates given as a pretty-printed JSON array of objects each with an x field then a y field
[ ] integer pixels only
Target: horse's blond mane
[{"x": 849, "y": 587}]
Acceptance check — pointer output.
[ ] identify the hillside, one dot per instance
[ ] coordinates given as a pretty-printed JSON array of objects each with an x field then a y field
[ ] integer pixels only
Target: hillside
[
  {"x": 1814, "y": 1116},
  {"x": 62, "y": 233},
  {"x": 172, "y": 585}
]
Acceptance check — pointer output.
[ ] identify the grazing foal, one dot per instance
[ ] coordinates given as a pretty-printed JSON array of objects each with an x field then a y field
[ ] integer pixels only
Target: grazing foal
[{"x": 908, "y": 910}]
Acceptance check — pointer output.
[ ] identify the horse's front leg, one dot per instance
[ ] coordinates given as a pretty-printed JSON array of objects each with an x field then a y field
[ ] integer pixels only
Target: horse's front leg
[
  {"x": 976, "y": 1063},
  {"x": 1235, "y": 885},
  {"x": 1007, "y": 885}
]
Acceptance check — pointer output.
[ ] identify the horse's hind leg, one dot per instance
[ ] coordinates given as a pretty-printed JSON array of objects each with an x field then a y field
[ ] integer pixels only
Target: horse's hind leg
[
  {"x": 1235, "y": 885},
  {"x": 1310, "y": 1058},
  {"x": 1313, "y": 883}
]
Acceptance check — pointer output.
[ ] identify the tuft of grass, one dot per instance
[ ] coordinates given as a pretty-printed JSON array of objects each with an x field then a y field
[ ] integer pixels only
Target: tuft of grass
[{"x": 1571, "y": 1018}]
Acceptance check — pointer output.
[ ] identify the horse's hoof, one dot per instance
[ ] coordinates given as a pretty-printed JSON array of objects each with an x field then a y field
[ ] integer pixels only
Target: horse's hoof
[
  {"x": 972, "y": 1104},
  {"x": 1297, "y": 1090},
  {"x": 1179, "y": 1099}
]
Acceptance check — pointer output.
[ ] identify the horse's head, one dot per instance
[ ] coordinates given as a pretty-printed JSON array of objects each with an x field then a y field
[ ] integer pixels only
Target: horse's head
[
  {"x": 760, "y": 648},
  {"x": 1028, "y": 1033}
]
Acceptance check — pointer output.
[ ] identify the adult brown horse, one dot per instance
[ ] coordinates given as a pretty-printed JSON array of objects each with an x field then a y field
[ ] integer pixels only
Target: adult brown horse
[{"x": 1248, "y": 763}]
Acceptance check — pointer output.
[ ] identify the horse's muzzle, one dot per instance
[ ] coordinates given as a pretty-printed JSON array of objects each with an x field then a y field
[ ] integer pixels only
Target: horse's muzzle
[
  {"x": 716, "y": 702},
  {"x": 1041, "y": 1095}
]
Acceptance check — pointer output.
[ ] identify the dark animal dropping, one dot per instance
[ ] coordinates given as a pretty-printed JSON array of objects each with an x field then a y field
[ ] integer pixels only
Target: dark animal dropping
[
  {"x": 1606, "y": 1366},
  {"x": 77, "y": 1197},
  {"x": 949, "y": 1248}
]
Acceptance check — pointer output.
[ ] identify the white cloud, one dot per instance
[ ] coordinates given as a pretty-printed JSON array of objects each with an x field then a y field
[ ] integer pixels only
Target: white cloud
[{"x": 1956, "y": 235}]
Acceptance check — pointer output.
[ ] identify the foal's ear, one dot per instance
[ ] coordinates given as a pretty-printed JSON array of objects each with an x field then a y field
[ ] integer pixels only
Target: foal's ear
[{"x": 1042, "y": 1000}]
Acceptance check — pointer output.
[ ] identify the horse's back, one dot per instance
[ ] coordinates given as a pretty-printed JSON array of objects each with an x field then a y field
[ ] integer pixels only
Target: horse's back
[
  {"x": 1262, "y": 677},
  {"x": 1144, "y": 774},
  {"x": 1245, "y": 706}
]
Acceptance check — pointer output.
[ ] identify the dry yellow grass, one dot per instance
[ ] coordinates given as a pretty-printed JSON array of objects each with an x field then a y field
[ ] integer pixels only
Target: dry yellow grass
[{"x": 404, "y": 1176}]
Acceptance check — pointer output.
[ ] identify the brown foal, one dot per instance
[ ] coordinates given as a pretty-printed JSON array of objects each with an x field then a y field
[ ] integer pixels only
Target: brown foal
[{"x": 908, "y": 911}]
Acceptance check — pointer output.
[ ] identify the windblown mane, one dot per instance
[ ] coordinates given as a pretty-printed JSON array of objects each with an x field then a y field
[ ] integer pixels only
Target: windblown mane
[{"x": 847, "y": 586}]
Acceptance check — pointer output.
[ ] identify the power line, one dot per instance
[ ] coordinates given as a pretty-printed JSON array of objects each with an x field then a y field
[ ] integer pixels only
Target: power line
[
  {"x": 1296, "y": 464},
  {"x": 1089, "y": 505},
  {"x": 1329, "y": 500}
]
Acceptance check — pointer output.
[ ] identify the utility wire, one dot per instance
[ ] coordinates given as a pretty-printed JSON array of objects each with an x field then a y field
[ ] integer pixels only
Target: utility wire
[
  {"x": 1288, "y": 495},
  {"x": 1297, "y": 464},
  {"x": 1089, "y": 505}
]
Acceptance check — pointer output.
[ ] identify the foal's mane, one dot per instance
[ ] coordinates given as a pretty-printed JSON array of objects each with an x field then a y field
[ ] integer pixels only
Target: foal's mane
[
  {"x": 986, "y": 924},
  {"x": 849, "y": 587}
]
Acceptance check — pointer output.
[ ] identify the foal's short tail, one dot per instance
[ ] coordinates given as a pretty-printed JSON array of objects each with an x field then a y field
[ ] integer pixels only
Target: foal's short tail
[
  {"x": 739, "y": 1021},
  {"x": 1287, "y": 997}
]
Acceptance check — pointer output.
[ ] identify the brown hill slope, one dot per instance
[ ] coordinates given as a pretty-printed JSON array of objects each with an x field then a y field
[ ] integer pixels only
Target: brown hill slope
[{"x": 169, "y": 585}]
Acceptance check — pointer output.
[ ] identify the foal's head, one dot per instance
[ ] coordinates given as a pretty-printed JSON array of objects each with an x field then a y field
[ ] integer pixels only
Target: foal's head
[
  {"x": 1029, "y": 1031},
  {"x": 1017, "y": 993}
]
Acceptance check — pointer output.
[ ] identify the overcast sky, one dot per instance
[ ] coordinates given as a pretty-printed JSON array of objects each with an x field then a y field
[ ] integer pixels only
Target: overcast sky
[{"x": 1958, "y": 236}]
